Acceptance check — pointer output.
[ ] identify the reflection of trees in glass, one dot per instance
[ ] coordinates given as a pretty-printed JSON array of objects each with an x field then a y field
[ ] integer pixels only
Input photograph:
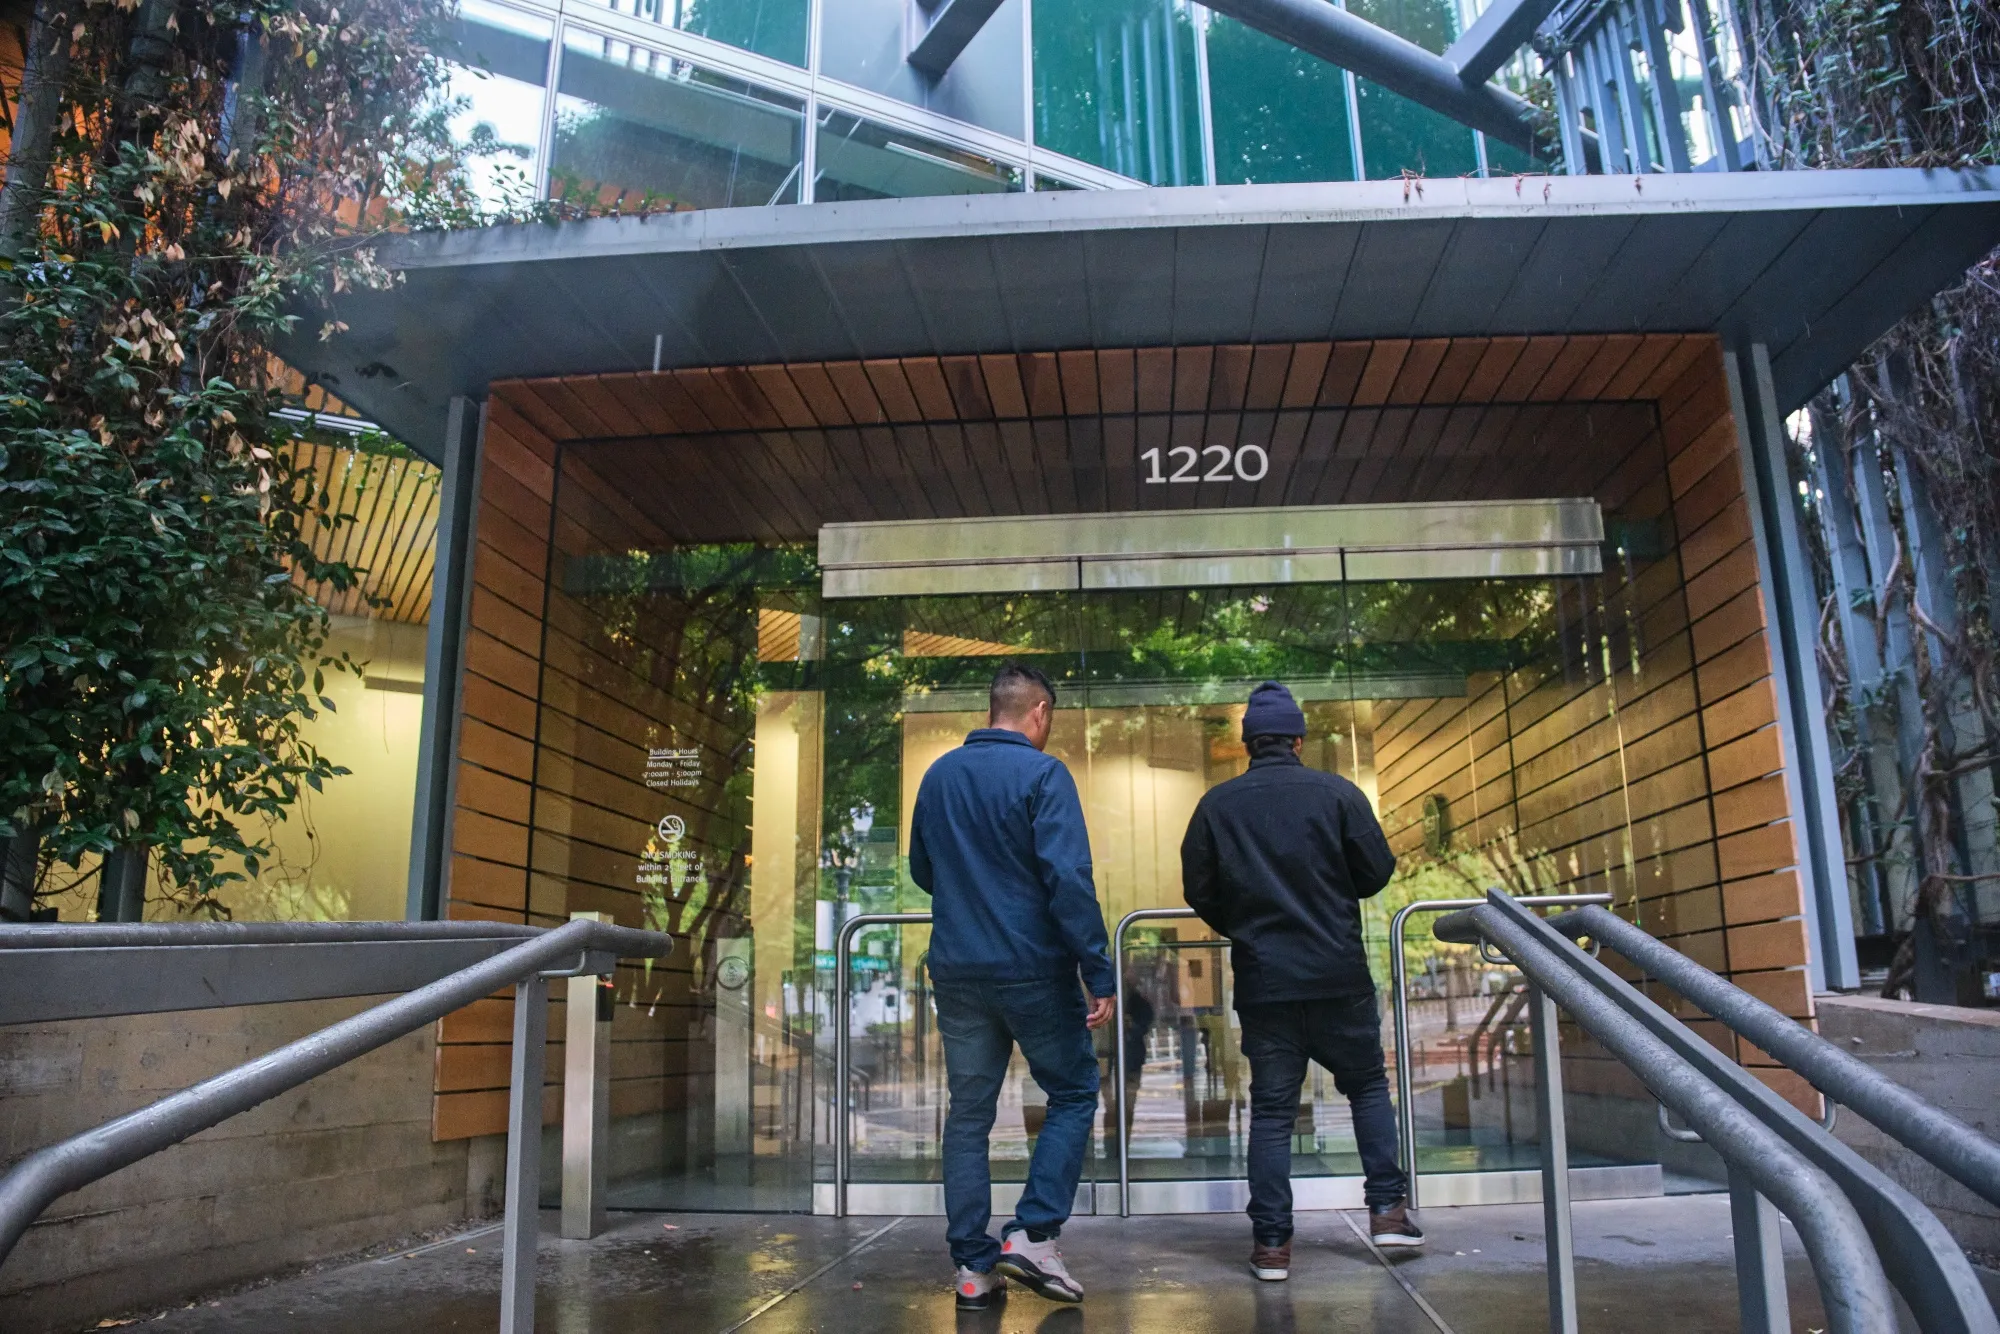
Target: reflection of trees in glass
[
  {"x": 1115, "y": 85},
  {"x": 612, "y": 160},
  {"x": 774, "y": 28},
  {"x": 1278, "y": 113},
  {"x": 1397, "y": 134},
  {"x": 682, "y": 628}
]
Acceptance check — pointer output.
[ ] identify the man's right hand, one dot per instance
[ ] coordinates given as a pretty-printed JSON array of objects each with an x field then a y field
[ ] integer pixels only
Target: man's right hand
[{"x": 1100, "y": 1012}]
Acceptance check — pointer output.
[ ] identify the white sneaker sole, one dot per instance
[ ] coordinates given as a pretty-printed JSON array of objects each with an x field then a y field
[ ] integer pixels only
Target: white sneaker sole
[
  {"x": 1392, "y": 1240},
  {"x": 1271, "y": 1275}
]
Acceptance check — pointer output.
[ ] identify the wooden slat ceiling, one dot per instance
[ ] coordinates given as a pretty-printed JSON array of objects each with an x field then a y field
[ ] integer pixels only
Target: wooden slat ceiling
[
  {"x": 770, "y": 453},
  {"x": 394, "y": 504}
]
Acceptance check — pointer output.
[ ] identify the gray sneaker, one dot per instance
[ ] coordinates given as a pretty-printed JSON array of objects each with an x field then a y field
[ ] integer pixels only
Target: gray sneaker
[
  {"x": 976, "y": 1291},
  {"x": 1039, "y": 1265}
]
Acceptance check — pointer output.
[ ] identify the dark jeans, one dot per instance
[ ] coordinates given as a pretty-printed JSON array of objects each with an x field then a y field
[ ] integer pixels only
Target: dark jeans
[
  {"x": 980, "y": 1022},
  {"x": 1345, "y": 1037}
]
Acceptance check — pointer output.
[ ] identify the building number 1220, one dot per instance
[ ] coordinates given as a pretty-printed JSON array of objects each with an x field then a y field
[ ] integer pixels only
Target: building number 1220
[{"x": 1248, "y": 463}]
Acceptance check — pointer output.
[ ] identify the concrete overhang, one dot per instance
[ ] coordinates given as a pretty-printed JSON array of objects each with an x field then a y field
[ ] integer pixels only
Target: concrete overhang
[{"x": 1816, "y": 265}]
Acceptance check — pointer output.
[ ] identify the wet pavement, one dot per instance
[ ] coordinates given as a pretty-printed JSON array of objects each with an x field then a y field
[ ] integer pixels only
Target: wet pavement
[{"x": 1658, "y": 1264}]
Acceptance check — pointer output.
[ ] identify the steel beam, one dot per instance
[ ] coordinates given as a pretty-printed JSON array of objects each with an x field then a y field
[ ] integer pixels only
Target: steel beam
[
  {"x": 952, "y": 26},
  {"x": 1785, "y": 575},
  {"x": 1495, "y": 36},
  {"x": 444, "y": 660},
  {"x": 1854, "y": 586},
  {"x": 1338, "y": 37}
]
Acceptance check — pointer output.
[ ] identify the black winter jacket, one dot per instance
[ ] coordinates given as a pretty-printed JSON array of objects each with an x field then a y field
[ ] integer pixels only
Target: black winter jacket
[{"x": 1278, "y": 859}]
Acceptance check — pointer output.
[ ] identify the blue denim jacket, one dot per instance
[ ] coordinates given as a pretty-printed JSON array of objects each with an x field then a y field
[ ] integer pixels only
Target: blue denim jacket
[{"x": 999, "y": 844}]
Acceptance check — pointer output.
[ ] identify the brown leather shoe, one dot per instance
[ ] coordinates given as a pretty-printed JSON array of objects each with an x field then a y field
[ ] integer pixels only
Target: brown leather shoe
[
  {"x": 1273, "y": 1264},
  {"x": 1394, "y": 1227}
]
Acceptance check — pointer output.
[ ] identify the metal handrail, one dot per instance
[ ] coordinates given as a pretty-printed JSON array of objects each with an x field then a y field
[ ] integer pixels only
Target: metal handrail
[
  {"x": 47, "y": 1174},
  {"x": 1775, "y": 1153},
  {"x": 1118, "y": 1040},
  {"x": 1406, "y": 1111},
  {"x": 843, "y": 942},
  {"x": 1953, "y": 1147}
]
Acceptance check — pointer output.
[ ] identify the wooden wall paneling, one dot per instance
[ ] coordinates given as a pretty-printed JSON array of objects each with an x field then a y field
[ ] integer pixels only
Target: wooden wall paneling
[
  {"x": 1651, "y": 354},
  {"x": 1496, "y": 359},
  {"x": 1528, "y": 369},
  {"x": 715, "y": 401},
  {"x": 970, "y": 400},
  {"x": 1563, "y": 370},
  {"x": 816, "y": 387},
  {"x": 1305, "y": 372},
  {"x": 525, "y": 399},
  {"x": 1228, "y": 375},
  {"x": 1378, "y": 375},
  {"x": 1079, "y": 371},
  {"x": 1346, "y": 363},
  {"x": 1041, "y": 383},
  {"x": 892, "y": 389},
  {"x": 1420, "y": 366},
  {"x": 1461, "y": 358},
  {"x": 776, "y": 385},
  {"x": 857, "y": 392},
  {"x": 1004, "y": 393},
  {"x": 1612, "y": 354},
  {"x": 1686, "y": 351},
  {"x": 1270, "y": 370}
]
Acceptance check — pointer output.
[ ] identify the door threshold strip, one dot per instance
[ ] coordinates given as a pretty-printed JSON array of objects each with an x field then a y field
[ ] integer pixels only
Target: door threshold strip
[
  {"x": 1401, "y": 1282},
  {"x": 849, "y": 1254}
]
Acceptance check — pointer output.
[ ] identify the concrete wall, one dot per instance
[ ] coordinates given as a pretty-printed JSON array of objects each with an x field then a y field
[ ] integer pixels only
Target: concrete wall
[
  {"x": 1945, "y": 1055},
  {"x": 339, "y": 1164}
]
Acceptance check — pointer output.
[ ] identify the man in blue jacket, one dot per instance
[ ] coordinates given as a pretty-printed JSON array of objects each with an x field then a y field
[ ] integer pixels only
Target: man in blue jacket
[
  {"x": 1278, "y": 859},
  {"x": 998, "y": 842}
]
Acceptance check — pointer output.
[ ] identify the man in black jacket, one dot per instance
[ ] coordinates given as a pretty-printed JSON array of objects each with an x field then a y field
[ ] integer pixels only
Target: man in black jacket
[{"x": 1278, "y": 859}]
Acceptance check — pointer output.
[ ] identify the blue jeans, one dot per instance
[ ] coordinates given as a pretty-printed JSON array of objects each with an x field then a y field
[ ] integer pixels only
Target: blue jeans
[
  {"x": 1345, "y": 1037},
  {"x": 980, "y": 1022}
]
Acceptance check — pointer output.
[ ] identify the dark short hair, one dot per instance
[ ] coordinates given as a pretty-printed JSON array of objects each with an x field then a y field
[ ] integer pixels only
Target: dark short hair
[
  {"x": 1270, "y": 743},
  {"x": 1014, "y": 688}
]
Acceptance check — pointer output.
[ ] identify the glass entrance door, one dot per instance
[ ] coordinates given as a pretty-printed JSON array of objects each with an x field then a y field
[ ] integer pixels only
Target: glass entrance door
[{"x": 771, "y": 739}]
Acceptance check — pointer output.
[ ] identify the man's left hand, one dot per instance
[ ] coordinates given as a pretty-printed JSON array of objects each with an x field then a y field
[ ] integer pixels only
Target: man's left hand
[{"x": 1100, "y": 1012}]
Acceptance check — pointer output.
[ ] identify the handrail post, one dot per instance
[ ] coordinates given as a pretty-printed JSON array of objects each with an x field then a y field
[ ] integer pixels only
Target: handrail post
[
  {"x": 522, "y": 1226},
  {"x": 586, "y": 1100},
  {"x": 1555, "y": 1161},
  {"x": 843, "y": 945},
  {"x": 1118, "y": 1042},
  {"x": 843, "y": 938},
  {"x": 1399, "y": 1003},
  {"x": 1760, "y": 1258}
]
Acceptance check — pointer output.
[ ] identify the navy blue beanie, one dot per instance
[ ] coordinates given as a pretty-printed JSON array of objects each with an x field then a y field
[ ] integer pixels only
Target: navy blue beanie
[{"x": 1273, "y": 712}]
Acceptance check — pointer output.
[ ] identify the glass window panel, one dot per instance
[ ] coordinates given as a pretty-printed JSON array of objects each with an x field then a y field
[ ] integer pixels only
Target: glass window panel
[
  {"x": 496, "y": 88},
  {"x": 634, "y": 124},
  {"x": 1279, "y": 114},
  {"x": 1507, "y": 160},
  {"x": 1399, "y": 135},
  {"x": 774, "y": 28},
  {"x": 860, "y": 159},
  {"x": 1115, "y": 85},
  {"x": 1043, "y": 183}
]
